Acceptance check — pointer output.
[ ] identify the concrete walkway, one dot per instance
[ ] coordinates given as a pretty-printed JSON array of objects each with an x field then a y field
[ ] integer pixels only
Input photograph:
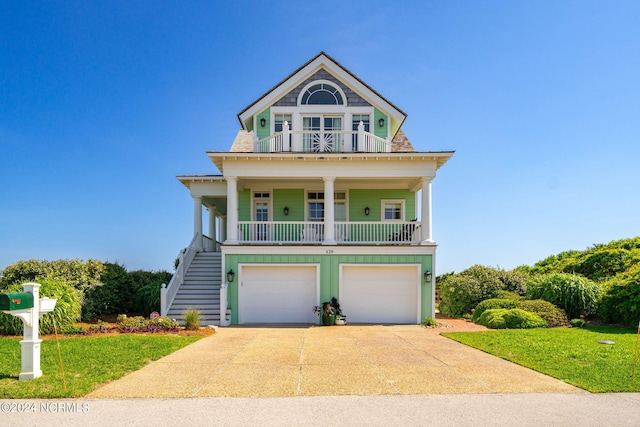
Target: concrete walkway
[{"x": 321, "y": 361}]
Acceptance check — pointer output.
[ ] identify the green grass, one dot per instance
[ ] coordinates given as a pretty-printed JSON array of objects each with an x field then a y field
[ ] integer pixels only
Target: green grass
[
  {"x": 568, "y": 354},
  {"x": 87, "y": 362}
]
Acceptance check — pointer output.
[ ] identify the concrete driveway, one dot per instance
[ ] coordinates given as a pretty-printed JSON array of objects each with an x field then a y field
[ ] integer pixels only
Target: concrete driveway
[{"x": 337, "y": 360}]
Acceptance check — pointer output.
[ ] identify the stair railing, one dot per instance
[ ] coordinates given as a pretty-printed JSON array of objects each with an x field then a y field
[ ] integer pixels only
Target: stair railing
[{"x": 168, "y": 293}]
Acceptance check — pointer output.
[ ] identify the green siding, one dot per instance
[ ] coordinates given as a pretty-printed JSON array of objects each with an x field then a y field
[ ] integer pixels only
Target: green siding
[
  {"x": 244, "y": 205},
  {"x": 380, "y": 131},
  {"x": 292, "y": 199},
  {"x": 330, "y": 272},
  {"x": 263, "y": 132},
  {"x": 360, "y": 199}
]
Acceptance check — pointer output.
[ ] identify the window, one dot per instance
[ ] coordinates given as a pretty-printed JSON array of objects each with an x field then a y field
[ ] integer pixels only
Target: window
[
  {"x": 278, "y": 122},
  {"x": 322, "y": 94},
  {"x": 315, "y": 206},
  {"x": 355, "y": 122},
  {"x": 393, "y": 210}
]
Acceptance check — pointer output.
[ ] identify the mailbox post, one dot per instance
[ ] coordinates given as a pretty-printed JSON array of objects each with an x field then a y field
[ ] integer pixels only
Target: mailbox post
[{"x": 29, "y": 307}]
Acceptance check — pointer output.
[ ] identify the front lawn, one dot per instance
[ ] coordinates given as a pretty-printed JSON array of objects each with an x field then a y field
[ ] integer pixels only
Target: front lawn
[
  {"x": 87, "y": 362},
  {"x": 572, "y": 355}
]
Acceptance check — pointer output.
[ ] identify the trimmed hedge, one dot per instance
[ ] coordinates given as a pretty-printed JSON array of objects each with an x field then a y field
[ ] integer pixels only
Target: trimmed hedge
[
  {"x": 554, "y": 316},
  {"x": 490, "y": 304},
  {"x": 515, "y": 318}
]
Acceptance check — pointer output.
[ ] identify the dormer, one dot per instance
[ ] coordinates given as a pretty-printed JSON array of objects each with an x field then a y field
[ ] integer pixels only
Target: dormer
[{"x": 321, "y": 108}]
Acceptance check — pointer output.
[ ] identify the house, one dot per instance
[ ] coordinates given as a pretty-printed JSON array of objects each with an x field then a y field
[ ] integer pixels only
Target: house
[{"x": 321, "y": 195}]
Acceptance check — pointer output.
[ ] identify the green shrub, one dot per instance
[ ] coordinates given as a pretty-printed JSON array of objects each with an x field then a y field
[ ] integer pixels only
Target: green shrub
[
  {"x": 578, "y": 323},
  {"x": 514, "y": 281},
  {"x": 71, "y": 330},
  {"x": 462, "y": 292},
  {"x": 140, "y": 324},
  {"x": 192, "y": 320},
  {"x": 621, "y": 303},
  {"x": 602, "y": 264},
  {"x": 576, "y": 295},
  {"x": 82, "y": 275},
  {"x": 509, "y": 295},
  {"x": 140, "y": 278},
  {"x": 147, "y": 298},
  {"x": 554, "y": 316},
  {"x": 515, "y": 318},
  {"x": 66, "y": 311},
  {"x": 490, "y": 304},
  {"x": 114, "y": 295},
  {"x": 430, "y": 322}
]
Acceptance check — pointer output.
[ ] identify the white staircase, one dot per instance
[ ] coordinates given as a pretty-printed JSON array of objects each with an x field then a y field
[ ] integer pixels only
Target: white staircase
[{"x": 200, "y": 290}]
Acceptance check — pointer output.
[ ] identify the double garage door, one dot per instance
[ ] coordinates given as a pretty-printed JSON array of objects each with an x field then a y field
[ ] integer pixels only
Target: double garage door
[{"x": 368, "y": 294}]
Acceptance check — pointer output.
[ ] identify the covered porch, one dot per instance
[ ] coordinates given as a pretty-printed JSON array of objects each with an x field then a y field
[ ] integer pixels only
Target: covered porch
[{"x": 219, "y": 197}]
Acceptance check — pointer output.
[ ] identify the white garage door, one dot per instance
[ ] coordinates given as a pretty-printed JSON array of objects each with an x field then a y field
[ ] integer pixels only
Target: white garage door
[
  {"x": 380, "y": 294},
  {"x": 277, "y": 294}
]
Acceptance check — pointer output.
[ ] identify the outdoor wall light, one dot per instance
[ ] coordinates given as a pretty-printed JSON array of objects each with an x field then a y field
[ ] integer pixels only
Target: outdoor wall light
[
  {"x": 230, "y": 276},
  {"x": 286, "y": 210},
  {"x": 366, "y": 210},
  {"x": 263, "y": 122},
  {"x": 381, "y": 122},
  {"x": 427, "y": 276}
]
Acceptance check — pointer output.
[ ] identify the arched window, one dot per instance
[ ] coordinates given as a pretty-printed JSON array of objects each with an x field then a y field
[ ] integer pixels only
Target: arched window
[{"x": 322, "y": 94}]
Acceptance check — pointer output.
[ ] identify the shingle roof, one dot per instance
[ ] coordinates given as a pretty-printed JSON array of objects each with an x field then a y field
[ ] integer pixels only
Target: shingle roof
[{"x": 401, "y": 143}]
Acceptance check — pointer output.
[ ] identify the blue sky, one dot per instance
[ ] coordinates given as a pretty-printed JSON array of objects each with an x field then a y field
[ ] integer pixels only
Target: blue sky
[{"x": 103, "y": 103}]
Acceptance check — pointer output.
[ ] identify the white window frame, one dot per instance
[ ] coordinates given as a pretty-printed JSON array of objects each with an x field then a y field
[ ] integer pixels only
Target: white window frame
[
  {"x": 326, "y": 82},
  {"x": 346, "y": 202},
  {"x": 402, "y": 203},
  {"x": 255, "y": 199}
]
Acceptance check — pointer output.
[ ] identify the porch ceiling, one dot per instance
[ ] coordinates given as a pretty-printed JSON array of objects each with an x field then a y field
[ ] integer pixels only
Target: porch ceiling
[{"x": 217, "y": 202}]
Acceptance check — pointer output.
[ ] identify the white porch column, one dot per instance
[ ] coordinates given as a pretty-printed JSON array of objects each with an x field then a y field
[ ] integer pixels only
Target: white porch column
[
  {"x": 223, "y": 228},
  {"x": 232, "y": 210},
  {"x": 197, "y": 219},
  {"x": 426, "y": 211},
  {"x": 329, "y": 213},
  {"x": 212, "y": 225}
]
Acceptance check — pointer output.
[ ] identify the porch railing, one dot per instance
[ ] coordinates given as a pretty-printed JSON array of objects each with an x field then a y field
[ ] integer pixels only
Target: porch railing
[
  {"x": 345, "y": 233},
  {"x": 326, "y": 141},
  {"x": 280, "y": 232}
]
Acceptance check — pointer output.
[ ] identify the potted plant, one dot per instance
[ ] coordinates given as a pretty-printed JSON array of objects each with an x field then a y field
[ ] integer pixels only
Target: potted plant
[{"x": 329, "y": 312}]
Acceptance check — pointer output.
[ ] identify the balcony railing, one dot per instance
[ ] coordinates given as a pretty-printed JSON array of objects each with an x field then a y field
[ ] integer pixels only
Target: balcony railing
[
  {"x": 345, "y": 233},
  {"x": 328, "y": 141}
]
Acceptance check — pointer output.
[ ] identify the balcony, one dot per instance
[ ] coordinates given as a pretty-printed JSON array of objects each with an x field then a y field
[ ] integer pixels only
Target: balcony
[
  {"x": 345, "y": 233},
  {"x": 327, "y": 141}
]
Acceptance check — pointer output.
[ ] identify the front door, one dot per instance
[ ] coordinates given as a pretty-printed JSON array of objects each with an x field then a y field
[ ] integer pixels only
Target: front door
[
  {"x": 261, "y": 214},
  {"x": 322, "y": 134}
]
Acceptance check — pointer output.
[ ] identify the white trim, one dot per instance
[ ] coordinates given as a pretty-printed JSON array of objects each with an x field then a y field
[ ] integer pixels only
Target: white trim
[
  {"x": 241, "y": 278},
  {"x": 332, "y": 250},
  {"x": 341, "y": 75},
  {"x": 418, "y": 277},
  {"x": 269, "y": 202},
  {"x": 319, "y": 189},
  {"x": 403, "y": 210},
  {"x": 322, "y": 82}
]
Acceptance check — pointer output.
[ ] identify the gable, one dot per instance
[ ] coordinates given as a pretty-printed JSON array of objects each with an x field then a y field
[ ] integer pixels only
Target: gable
[
  {"x": 291, "y": 98},
  {"x": 322, "y": 68}
]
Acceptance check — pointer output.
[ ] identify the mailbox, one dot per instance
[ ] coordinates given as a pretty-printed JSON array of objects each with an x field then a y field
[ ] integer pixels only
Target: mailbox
[{"x": 20, "y": 301}]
